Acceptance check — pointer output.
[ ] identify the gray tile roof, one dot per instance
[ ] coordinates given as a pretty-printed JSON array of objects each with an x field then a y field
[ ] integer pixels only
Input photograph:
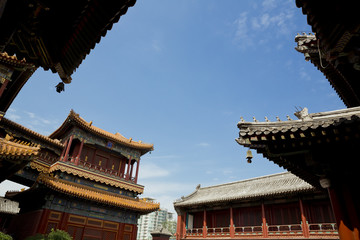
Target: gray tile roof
[
  {"x": 261, "y": 187},
  {"x": 312, "y": 121}
]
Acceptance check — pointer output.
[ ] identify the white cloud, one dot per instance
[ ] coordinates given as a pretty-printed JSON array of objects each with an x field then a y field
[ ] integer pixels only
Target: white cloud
[
  {"x": 270, "y": 22},
  {"x": 242, "y": 39},
  {"x": 304, "y": 75},
  {"x": 269, "y": 4},
  {"x": 167, "y": 192},
  {"x": 162, "y": 187},
  {"x": 227, "y": 171},
  {"x": 203, "y": 144},
  {"x": 33, "y": 121},
  {"x": 161, "y": 157},
  {"x": 156, "y": 46},
  {"x": 30, "y": 114},
  {"x": 151, "y": 170},
  {"x": 11, "y": 114}
]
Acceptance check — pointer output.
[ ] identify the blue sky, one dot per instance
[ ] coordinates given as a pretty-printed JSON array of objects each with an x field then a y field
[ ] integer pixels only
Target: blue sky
[{"x": 180, "y": 74}]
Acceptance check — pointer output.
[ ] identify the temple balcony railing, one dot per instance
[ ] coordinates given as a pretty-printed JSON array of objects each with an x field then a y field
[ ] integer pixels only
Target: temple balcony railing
[
  {"x": 249, "y": 230},
  {"x": 287, "y": 229},
  {"x": 47, "y": 158},
  {"x": 99, "y": 169},
  {"x": 322, "y": 229},
  {"x": 219, "y": 231},
  {"x": 194, "y": 232},
  {"x": 316, "y": 230}
]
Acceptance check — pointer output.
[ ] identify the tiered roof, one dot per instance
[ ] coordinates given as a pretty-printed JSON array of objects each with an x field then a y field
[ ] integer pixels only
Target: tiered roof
[
  {"x": 18, "y": 72},
  {"x": 282, "y": 184},
  {"x": 74, "y": 119},
  {"x": 17, "y": 149},
  {"x": 292, "y": 143},
  {"x": 35, "y": 136},
  {"x": 57, "y": 35},
  {"x": 334, "y": 48},
  {"x": 14, "y": 155},
  {"x": 14, "y": 61},
  {"x": 78, "y": 190}
]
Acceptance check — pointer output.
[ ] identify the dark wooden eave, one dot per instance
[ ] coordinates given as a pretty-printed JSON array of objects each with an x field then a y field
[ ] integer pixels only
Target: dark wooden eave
[
  {"x": 337, "y": 28},
  {"x": 21, "y": 72},
  {"x": 55, "y": 34},
  {"x": 321, "y": 146}
]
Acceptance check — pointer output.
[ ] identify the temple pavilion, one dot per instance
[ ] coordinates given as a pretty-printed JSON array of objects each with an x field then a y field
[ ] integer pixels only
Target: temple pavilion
[
  {"x": 322, "y": 148},
  {"x": 278, "y": 206},
  {"x": 54, "y": 35},
  {"x": 82, "y": 179},
  {"x": 58, "y": 35}
]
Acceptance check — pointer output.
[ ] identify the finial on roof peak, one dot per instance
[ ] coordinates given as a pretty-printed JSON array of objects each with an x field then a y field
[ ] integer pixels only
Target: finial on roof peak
[
  {"x": 198, "y": 186},
  {"x": 242, "y": 119},
  {"x": 266, "y": 119},
  {"x": 90, "y": 123},
  {"x": 255, "y": 119},
  {"x": 302, "y": 114},
  {"x": 278, "y": 119}
]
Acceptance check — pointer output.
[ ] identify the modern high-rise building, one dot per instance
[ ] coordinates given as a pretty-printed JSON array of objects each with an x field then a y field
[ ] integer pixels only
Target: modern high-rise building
[{"x": 149, "y": 222}]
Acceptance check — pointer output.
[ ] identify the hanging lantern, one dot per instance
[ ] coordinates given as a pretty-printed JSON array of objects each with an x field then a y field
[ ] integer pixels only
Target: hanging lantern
[{"x": 249, "y": 156}]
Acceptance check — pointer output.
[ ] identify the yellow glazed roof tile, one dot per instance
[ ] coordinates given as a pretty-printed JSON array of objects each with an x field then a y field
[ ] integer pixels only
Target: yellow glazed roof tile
[
  {"x": 89, "y": 193},
  {"x": 117, "y": 137},
  {"x": 17, "y": 148},
  {"x": 93, "y": 176},
  {"x": 15, "y": 125}
]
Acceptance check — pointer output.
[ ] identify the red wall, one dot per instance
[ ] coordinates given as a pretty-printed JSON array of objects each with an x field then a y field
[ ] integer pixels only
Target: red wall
[{"x": 26, "y": 224}]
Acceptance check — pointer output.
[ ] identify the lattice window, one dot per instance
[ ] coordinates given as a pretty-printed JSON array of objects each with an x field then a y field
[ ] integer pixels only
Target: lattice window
[
  {"x": 94, "y": 222},
  {"x": 54, "y": 215},
  {"x": 75, "y": 232},
  {"x": 127, "y": 236},
  {"x": 109, "y": 235},
  {"x": 92, "y": 233},
  {"x": 76, "y": 219},
  {"x": 51, "y": 225},
  {"x": 128, "y": 228},
  {"x": 111, "y": 225}
]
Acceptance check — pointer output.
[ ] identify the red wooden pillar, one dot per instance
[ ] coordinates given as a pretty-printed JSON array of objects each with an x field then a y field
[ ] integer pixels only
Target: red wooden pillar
[
  {"x": 344, "y": 208},
  {"x": 43, "y": 221},
  {"x": 64, "y": 150},
  {"x": 3, "y": 86},
  {"x": 179, "y": 227},
  {"x": 204, "y": 225},
  {"x": 213, "y": 221},
  {"x": 264, "y": 224},
  {"x": 137, "y": 170},
  {"x": 184, "y": 225},
  {"x": 304, "y": 223},
  {"x": 128, "y": 169},
  {"x": 68, "y": 149},
  {"x": 79, "y": 153},
  {"x": 131, "y": 170},
  {"x": 232, "y": 227}
]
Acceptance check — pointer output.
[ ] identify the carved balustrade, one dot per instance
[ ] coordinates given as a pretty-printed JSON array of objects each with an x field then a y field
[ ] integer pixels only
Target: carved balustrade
[{"x": 319, "y": 230}]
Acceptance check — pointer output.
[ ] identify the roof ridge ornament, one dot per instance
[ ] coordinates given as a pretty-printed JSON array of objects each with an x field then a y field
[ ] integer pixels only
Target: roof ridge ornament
[{"x": 303, "y": 114}]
